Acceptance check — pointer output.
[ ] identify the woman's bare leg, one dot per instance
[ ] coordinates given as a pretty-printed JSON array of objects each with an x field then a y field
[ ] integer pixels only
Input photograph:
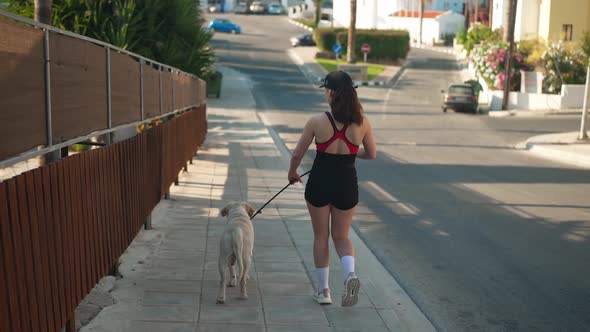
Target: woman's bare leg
[
  {"x": 341, "y": 221},
  {"x": 320, "y": 219}
]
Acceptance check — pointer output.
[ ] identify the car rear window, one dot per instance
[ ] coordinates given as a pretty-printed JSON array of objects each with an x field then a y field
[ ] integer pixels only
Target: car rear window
[{"x": 463, "y": 90}]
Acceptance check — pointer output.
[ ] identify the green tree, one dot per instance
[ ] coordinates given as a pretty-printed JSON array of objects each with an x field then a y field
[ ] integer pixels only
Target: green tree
[{"x": 169, "y": 31}]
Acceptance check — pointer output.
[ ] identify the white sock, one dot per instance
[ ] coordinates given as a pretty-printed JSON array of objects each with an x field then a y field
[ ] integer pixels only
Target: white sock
[
  {"x": 347, "y": 265},
  {"x": 323, "y": 277}
]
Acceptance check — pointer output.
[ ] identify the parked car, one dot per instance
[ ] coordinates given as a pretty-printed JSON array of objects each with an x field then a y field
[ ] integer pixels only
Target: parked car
[
  {"x": 460, "y": 97},
  {"x": 224, "y": 25},
  {"x": 241, "y": 8},
  {"x": 214, "y": 8},
  {"x": 258, "y": 7},
  {"x": 302, "y": 40},
  {"x": 276, "y": 9}
]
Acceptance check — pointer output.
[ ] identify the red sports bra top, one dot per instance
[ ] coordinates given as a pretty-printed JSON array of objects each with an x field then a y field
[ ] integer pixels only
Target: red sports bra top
[{"x": 338, "y": 134}]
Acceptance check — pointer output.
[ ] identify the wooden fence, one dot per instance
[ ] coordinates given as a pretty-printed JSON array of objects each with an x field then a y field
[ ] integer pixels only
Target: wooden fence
[{"x": 63, "y": 226}]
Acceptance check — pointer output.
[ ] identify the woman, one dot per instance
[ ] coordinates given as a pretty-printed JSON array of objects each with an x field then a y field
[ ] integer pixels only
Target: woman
[{"x": 332, "y": 191}]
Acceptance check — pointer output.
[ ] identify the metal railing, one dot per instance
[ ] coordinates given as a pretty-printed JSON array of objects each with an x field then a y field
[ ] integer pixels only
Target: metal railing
[{"x": 51, "y": 144}]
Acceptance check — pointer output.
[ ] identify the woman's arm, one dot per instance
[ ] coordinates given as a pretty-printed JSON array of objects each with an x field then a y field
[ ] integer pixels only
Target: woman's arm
[
  {"x": 369, "y": 150},
  {"x": 302, "y": 146}
]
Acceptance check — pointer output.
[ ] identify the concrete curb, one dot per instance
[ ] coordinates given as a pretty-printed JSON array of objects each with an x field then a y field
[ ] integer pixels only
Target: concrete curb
[
  {"x": 533, "y": 113},
  {"x": 300, "y": 25},
  {"x": 556, "y": 152},
  {"x": 313, "y": 77},
  {"x": 560, "y": 147}
]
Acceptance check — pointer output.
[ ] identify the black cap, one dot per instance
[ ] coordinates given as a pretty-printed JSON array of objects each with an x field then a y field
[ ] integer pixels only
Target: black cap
[{"x": 337, "y": 80}]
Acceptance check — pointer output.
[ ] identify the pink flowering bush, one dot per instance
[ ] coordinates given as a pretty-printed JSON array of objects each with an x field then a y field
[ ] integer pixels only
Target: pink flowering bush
[{"x": 489, "y": 60}]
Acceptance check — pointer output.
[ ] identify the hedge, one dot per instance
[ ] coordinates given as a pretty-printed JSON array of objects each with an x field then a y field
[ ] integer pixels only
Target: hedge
[{"x": 386, "y": 45}]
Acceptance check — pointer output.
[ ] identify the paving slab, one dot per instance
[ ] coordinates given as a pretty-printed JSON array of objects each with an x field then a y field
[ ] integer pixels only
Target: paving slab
[{"x": 170, "y": 275}]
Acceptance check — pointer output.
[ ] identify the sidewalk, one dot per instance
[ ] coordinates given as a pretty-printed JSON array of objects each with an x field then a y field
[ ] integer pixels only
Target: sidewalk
[
  {"x": 170, "y": 273},
  {"x": 562, "y": 147}
]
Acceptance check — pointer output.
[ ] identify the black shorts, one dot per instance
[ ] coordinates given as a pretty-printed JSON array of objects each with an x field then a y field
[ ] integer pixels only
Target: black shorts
[{"x": 333, "y": 181}]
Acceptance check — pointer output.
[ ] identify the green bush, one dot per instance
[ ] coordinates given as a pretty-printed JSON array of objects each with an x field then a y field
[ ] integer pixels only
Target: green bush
[
  {"x": 325, "y": 38},
  {"x": 386, "y": 45},
  {"x": 564, "y": 64},
  {"x": 585, "y": 45},
  {"x": 462, "y": 37},
  {"x": 479, "y": 33}
]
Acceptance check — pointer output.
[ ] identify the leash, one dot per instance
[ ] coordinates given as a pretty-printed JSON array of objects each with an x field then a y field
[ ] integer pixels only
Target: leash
[{"x": 277, "y": 194}]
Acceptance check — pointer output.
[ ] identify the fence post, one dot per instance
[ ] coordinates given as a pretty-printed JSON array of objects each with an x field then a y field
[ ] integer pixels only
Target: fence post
[
  {"x": 186, "y": 166},
  {"x": 141, "y": 62},
  {"x": 148, "y": 222},
  {"x": 53, "y": 155},
  {"x": 109, "y": 114},
  {"x": 160, "y": 85}
]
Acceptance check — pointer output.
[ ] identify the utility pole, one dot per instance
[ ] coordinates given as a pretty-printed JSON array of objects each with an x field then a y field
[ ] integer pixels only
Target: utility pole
[
  {"x": 509, "y": 35},
  {"x": 350, "y": 58},
  {"x": 421, "y": 9},
  {"x": 584, "y": 124}
]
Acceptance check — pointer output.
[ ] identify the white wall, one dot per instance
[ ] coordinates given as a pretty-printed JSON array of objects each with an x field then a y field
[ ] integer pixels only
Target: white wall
[
  {"x": 451, "y": 23},
  {"x": 527, "y": 20},
  {"x": 572, "y": 96},
  {"x": 370, "y": 13},
  {"x": 498, "y": 14},
  {"x": 430, "y": 27}
]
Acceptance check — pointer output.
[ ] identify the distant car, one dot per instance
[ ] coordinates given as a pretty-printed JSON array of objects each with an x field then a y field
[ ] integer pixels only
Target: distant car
[
  {"x": 214, "y": 8},
  {"x": 460, "y": 97},
  {"x": 302, "y": 40},
  {"x": 241, "y": 8},
  {"x": 276, "y": 9},
  {"x": 224, "y": 25},
  {"x": 258, "y": 7}
]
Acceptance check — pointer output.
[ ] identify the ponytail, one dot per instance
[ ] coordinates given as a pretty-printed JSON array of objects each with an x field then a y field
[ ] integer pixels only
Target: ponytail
[{"x": 346, "y": 107}]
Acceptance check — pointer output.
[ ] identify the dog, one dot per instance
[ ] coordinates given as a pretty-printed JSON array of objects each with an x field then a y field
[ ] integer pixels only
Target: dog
[{"x": 235, "y": 248}]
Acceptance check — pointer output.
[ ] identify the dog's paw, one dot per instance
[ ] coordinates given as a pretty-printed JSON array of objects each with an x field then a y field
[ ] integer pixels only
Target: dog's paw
[
  {"x": 243, "y": 297},
  {"x": 232, "y": 283},
  {"x": 220, "y": 300}
]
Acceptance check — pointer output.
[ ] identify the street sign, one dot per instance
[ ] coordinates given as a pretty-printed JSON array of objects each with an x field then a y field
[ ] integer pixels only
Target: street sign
[
  {"x": 337, "y": 49},
  {"x": 366, "y": 48}
]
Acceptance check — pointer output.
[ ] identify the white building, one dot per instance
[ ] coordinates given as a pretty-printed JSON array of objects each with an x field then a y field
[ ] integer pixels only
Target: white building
[
  {"x": 435, "y": 24},
  {"x": 526, "y": 26},
  {"x": 388, "y": 14}
]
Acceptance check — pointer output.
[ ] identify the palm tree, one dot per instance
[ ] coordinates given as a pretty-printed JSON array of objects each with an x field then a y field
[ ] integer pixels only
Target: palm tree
[
  {"x": 43, "y": 11},
  {"x": 318, "y": 9},
  {"x": 351, "y": 33},
  {"x": 423, "y": 3},
  {"x": 509, "y": 14}
]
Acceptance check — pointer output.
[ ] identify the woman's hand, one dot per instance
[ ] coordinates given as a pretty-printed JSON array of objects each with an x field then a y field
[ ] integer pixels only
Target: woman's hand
[{"x": 293, "y": 178}]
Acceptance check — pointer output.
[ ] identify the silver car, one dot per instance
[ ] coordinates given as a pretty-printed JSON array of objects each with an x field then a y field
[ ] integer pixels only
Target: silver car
[{"x": 258, "y": 7}]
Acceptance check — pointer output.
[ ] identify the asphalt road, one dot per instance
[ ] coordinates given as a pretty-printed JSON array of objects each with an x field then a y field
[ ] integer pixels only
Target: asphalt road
[{"x": 482, "y": 236}]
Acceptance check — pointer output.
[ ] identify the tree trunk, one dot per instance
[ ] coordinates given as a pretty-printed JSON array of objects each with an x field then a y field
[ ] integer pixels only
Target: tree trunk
[
  {"x": 421, "y": 10},
  {"x": 43, "y": 11},
  {"x": 318, "y": 11},
  {"x": 509, "y": 35},
  {"x": 470, "y": 11},
  {"x": 506, "y": 25},
  {"x": 491, "y": 14},
  {"x": 476, "y": 16},
  {"x": 350, "y": 58}
]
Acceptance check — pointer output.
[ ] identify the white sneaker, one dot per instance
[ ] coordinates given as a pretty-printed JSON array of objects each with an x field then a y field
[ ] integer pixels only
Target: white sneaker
[
  {"x": 352, "y": 286},
  {"x": 321, "y": 298}
]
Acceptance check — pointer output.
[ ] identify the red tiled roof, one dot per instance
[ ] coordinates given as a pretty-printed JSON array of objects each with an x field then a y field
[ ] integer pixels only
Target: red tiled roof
[{"x": 427, "y": 13}]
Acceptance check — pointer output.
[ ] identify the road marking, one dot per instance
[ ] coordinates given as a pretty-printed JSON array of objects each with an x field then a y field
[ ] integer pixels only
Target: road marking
[
  {"x": 399, "y": 78},
  {"x": 389, "y": 200}
]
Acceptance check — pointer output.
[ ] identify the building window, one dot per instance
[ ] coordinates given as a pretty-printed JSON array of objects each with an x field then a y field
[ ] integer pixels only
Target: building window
[{"x": 567, "y": 32}]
